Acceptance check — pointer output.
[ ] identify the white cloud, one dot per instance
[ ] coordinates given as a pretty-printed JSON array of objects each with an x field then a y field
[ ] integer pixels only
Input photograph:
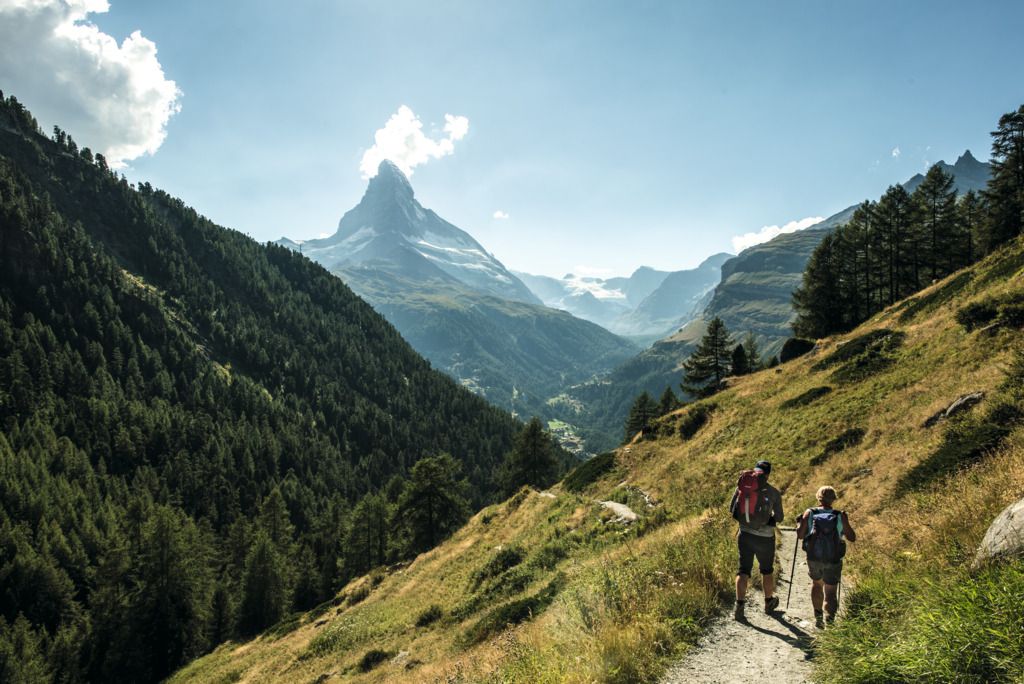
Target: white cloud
[
  {"x": 896, "y": 152},
  {"x": 403, "y": 141},
  {"x": 500, "y": 215},
  {"x": 741, "y": 242},
  {"x": 112, "y": 98}
]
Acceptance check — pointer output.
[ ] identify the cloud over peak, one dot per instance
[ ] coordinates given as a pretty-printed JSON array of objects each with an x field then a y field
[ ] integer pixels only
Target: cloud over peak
[
  {"x": 741, "y": 242},
  {"x": 403, "y": 141},
  {"x": 112, "y": 98}
]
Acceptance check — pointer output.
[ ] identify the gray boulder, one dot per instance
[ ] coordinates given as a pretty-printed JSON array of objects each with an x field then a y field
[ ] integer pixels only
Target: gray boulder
[
  {"x": 959, "y": 405},
  {"x": 1005, "y": 536}
]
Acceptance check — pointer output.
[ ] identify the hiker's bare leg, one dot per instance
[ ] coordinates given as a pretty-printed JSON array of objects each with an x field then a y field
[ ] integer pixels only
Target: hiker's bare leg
[
  {"x": 768, "y": 582},
  {"x": 741, "y": 587},
  {"x": 817, "y": 595},
  {"x": 831, "y": 602}
]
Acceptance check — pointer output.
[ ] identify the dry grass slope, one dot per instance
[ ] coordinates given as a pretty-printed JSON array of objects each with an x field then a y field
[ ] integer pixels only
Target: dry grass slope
[{"x": 593, "y": 601}]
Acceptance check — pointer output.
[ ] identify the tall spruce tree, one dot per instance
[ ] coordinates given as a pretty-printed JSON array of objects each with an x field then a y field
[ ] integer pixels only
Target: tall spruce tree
[
  {"x": 668, "y": 403},
  {"x": 971, "y": 214},
  {"x": 641, "y": 416},
  {"x": 754, "y": 360},
  {"x": 935, "y": 198},
  {"x": 266, "y": 588},
  {"x": 533, "y": 459},
  {"x": 818, "y": 301},
  {"x": 708, "y": 365},
  {"x": 739, "y": 363},
  {"x": 1005, "y": 192},
  {"x": 433, "y": 504}
]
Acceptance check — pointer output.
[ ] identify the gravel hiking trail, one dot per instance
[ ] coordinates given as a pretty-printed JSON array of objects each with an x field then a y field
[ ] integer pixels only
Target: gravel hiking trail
[{"x": 763, "y": 648}]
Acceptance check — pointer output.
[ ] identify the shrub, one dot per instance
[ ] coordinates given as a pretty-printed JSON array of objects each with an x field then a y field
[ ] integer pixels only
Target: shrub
[
  {"x": 793, "y": 348},
  {"x": 513, "y": 612},
  {"x": 551, "y": 553},
  {"x": 848, "y": 438},
  {"x": 372, "y": 659},
  {"x": 976, "y": 314},
  {"x": 694, "y": 419},
  {"x": 855, "y": 347},
  {"x": 505, "y": 558},
  {"x": 863, "y": 356},
  {"x": 430, "y": 615},
  {"x": 588, "y": 472},
  {"x": 806, "y": 398},
  {"x": 358, "y": 594}
]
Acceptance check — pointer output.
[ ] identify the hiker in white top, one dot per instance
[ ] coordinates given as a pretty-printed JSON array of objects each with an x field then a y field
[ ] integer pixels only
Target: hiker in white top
[{"x": 824, "y": 531}]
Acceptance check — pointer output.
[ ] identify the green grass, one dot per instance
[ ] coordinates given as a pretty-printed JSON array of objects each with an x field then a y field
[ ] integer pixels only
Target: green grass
[{"x": 941, "y": 627}]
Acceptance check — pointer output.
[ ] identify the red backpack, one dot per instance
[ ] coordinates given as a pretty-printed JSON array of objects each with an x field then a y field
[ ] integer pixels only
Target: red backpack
[{"x": 750, "y": 503}]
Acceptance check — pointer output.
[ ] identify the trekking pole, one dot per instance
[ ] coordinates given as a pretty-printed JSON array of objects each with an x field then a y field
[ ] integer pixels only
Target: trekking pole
[{"x": 792, "y": 570}]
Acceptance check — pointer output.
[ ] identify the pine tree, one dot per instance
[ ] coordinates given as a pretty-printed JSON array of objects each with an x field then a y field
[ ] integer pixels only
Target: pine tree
[
  {"x": 971, "y": 213},
  {"x": 23, "y": 653},
  {"x": 739, "y": 361},
  {"x": 433, "y": 504},
  {"x": 170, "y": 610},
  {"x": 533, "y": 459},
  {"x": 266, "y": 593},
  {"x": 936, "y": 206},
  {"x": 668, "y": 403},
  {"x": 1005, "y": 192},
  {"x": 708, "y": 366},
  {"x": 641, "y": 415},
  {"x": 818, "y": 301},
  {"x": 754, "y": 360}
]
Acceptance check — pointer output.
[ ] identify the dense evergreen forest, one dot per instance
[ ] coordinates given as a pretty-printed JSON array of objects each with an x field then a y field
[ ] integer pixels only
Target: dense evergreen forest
[
  {"x": 894, "y": 247},
  {"x": 198, "y": 433}
]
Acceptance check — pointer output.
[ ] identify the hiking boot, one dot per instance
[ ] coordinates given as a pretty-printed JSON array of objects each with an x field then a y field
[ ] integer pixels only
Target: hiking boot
[
  {"x": 770, "y": 604},
  {"x": 830, "y": 619},
  {"x": 819, "y": 620},
  {"x": 738, "y": 612}
]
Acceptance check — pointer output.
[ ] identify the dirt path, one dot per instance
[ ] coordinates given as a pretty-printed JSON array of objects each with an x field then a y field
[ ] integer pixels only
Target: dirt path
[{"x": 764, "y": 648}]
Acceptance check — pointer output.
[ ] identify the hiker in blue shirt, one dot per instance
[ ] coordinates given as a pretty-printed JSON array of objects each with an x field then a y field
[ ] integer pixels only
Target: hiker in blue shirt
[
  {"x": 824, "y": 531},
  {"x": 757, "y": 506}
]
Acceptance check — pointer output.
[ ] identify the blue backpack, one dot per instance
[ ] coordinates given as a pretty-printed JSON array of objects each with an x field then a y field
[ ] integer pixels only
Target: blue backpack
[{"x": 824, "y": 538}]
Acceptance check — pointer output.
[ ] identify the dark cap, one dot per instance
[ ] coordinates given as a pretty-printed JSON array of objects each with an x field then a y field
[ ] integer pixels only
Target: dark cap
[{"x": 764, "y": 466}]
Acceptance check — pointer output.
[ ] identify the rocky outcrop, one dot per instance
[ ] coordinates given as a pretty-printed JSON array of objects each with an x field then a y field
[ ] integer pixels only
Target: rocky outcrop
[
  {"x": 1005, "y": 536},
  {"x": 959, "y": 405}
]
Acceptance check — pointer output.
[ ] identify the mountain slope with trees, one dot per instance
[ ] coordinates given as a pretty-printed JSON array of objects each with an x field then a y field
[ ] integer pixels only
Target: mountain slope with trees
[
  {"x": 457, "y": 305},
  {"x": 552, "y": 586},
  {"x": 198, "y": 433}
]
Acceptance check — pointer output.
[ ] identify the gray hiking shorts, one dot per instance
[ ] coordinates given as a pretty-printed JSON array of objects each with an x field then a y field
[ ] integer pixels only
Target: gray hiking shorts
[{"x": 829, "y": 572}]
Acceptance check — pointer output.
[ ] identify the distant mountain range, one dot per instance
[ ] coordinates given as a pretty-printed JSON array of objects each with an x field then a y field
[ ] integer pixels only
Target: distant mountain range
[
  {"x": 754, "y": 295},
  {"x": 757, "y": 285},
  {"x": 458, "y": 305},
  {"x": 648, "y": 304}
]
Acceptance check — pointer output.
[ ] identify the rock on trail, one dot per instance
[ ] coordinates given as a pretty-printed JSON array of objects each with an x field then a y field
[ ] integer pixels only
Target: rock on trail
[{"x": 763, "y": 648}]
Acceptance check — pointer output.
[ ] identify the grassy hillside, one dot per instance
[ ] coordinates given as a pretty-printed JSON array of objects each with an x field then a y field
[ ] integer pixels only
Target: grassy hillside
[{"x": 592, "y": 599}]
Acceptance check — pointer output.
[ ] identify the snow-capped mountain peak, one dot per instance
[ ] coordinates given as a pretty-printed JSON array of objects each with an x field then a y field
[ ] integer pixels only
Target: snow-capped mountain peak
[{"x": 389, "y": 228}]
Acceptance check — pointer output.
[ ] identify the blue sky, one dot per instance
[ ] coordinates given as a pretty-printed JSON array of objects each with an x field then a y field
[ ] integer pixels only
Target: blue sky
[{"x": 613, "y": 134}]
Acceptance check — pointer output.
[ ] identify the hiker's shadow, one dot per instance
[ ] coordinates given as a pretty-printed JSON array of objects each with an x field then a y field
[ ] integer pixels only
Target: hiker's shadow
[{"x": 796, "y": 636}]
